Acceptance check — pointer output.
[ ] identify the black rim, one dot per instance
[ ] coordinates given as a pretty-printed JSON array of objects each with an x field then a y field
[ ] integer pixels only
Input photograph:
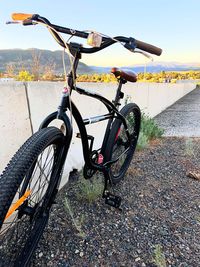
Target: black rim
[
  {"x": 16, "y": 230},
  {"x": 123, "y": 148}
]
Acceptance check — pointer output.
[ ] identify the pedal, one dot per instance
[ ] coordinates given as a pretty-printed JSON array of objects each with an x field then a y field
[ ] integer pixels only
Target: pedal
[{"x": 112, "y": 200}]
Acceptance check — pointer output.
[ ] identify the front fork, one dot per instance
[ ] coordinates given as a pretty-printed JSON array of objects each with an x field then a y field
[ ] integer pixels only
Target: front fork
[{"x": 67, "y": 138}]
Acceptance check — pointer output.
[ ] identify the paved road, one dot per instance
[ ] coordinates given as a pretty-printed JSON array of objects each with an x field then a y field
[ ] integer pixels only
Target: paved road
[{"x": 183, "y": 117}]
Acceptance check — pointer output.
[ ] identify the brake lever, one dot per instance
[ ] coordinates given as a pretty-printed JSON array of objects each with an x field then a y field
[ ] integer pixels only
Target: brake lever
[
  {"x": 144, "y": 54},
  {"x": 13, "y": 22},
  {"x": 26, "y": 22}
]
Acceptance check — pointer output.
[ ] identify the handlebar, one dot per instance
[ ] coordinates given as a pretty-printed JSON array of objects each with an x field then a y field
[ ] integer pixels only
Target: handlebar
[{"x": 129, "y": 42}]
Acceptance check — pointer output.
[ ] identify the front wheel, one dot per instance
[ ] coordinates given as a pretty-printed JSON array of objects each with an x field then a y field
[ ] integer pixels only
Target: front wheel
[
  {"x": 27, "y": 190},
  {"x": 119, "y": 146}
]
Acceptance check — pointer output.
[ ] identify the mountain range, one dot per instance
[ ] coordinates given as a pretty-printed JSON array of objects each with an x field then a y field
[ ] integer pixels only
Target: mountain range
[
  {"x": 19, "y": 58},
  {"x": 155, "y": 67},
  {"x": 25, "y": 58}
]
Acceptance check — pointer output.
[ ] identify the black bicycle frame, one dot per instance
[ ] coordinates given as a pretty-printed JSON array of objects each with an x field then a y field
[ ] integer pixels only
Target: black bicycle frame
[{"x": 66, "y": 104}]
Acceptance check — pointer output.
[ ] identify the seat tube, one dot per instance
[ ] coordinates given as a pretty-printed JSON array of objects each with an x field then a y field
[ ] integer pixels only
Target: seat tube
[{"x": 119, "y": 95}]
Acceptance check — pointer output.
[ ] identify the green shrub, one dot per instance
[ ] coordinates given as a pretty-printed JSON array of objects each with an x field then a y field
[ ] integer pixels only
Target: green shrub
[
  {"x": 90, "y": 190},
  {"x": 142, "y": 141},
  {"x": 159, "y": 257},
  {"x": 76, "y": 221},
  {"x": 149, "y": 130},
  {"x": 189, "y": 147}
]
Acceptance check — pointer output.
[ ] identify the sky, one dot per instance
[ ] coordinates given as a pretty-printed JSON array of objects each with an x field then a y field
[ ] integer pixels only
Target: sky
[{"x": 172, "y": 25}]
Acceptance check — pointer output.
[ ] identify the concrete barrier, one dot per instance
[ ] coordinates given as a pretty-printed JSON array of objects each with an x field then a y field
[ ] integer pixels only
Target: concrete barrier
[
  {"x": 14, "y": 120},
  {"x": 23, "y": 107}
]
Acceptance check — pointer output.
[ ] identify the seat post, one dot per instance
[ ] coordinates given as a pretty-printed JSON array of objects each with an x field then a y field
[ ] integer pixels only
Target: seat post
[{"x": 119, "y": 95}]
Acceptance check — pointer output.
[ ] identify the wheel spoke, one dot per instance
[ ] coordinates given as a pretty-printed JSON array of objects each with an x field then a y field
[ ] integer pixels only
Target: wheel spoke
[
  {"x": 123, "y": 143},
  {"x": 42, "y": 174},
  {"x": 25, "y": 218}
]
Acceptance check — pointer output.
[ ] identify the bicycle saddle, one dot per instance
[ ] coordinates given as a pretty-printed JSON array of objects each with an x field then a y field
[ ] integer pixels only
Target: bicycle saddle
[{"x": 127, "y": 75}]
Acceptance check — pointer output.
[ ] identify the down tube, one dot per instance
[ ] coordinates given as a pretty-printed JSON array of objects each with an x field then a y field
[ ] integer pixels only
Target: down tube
[{"x": 79, "y": 120}]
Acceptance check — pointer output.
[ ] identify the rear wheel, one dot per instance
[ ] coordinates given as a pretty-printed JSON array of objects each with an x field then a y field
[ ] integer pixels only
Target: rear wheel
[
  {"x": 119, "y": 146},
  {"x": 27, "y": 190}
]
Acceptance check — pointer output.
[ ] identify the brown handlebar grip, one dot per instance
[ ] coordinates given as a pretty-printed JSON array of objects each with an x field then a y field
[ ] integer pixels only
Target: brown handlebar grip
[
  {"x": 21, "y": 16},
  {"x": 148, "y": 48}
]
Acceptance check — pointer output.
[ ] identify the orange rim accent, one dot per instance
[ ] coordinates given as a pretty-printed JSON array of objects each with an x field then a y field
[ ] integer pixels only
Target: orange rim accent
[
  {"x": 16, "y": 205},
  {"x": 21, "y": 16}
]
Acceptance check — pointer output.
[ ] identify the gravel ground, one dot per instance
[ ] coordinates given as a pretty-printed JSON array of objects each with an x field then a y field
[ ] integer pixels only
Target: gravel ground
[
  {"x": 159, "y": 224},
  {"x": 183, "y": 117}
]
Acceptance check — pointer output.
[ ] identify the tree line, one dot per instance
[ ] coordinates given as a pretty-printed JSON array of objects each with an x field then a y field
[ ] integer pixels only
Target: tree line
[
  {"x": 161, "y": 77},
  {"x": 34, "y": 72},
  {"x": 49, "y": 75},
  {"x": 37, "y": 72}
]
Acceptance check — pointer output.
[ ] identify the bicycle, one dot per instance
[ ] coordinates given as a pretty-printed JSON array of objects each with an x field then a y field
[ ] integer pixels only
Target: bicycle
[{"x": 30, "y": 182}]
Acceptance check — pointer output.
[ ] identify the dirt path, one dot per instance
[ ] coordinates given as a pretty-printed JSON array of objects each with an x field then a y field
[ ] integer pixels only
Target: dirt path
[{"x": 182, "y": 118}]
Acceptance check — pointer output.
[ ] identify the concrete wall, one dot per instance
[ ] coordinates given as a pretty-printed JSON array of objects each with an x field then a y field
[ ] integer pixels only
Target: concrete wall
[
  {"x": 14, "y": 120},
  {"x": 21, "y": 108}
]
